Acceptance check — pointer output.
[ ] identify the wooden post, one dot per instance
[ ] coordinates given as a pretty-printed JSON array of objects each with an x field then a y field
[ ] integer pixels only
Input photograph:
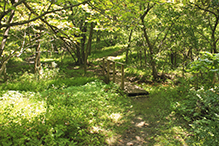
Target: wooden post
[
  {"x": 114, "y": 72},
  {"x": 103, "y": 67},
  {"x": 108, "y": 68},
  {"x": 122, "y": 82}
]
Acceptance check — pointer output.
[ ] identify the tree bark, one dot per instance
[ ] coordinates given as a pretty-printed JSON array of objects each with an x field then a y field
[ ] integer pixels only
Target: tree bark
[
  {"x": 151, "y": 48},
  {"x": 145, "y": 56},
  {"x": 214, "y": 41},
  {"x": 6, "y": 32},
  {"x": 98, "y": 36},
  {"x": 128, "y": 47},
  {"x": 213, "y": 35},
  {"x": 3, "y": 62},
  {"x": 88, "y": 48},
  {"x": 83, "y": 40},
  {"x": 175, "y": 55},
  {"x": 90, "y": 38},
  {"x": 37, "y": 64},
  {"x": 78, "y": 54}
]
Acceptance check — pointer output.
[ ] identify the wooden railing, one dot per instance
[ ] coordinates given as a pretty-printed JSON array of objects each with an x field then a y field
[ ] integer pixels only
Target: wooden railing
[{"x": 114, "y": 71}]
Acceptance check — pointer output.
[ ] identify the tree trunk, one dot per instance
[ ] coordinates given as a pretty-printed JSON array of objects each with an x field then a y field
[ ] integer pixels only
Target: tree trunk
[
  {"x": 90, "y": 38},
  {"x": 3, "y": 70},
  {"x": 214, "y": 45},
  {"x": 189, "y": 54},
  {"x": 2, "y": 46},
  {"x": 128, "y": 47},
  {"x": 83, "y": 40},
  {"x": 5, "y": 35},
  {"x": 175, "y": 55},
  {"x": 152, "y": 61},
  {"x": 88, "y": 48},
  {"x": 37, "y": 64},
  {"x": 145, "y": 56},
  {"x": 98, "y": 36},
  {"x": 78, "y": 54},
  {"x": 140, "y": 57}
]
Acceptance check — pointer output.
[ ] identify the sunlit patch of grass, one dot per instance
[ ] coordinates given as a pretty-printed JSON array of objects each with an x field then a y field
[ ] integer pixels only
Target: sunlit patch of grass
[
  {"x": 16, "y": 106},
  {"x": 175, "y": 136},
  {"x": 115, "y": 117},
  {"x": 48, "y": 59},
  {"x": 83, "y": 115},
  {"x": 106, "y": 51}
]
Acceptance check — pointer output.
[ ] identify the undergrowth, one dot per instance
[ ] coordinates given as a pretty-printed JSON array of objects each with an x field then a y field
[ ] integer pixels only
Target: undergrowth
[
  {"x": 200, "y": 109},
  {"x": 46, "y": 79},
  {"x": 77, "y": 115}
]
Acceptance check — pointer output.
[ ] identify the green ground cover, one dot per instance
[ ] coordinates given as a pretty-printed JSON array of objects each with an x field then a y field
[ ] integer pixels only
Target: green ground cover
[
  {"x": 77, "y": 115},
  {"x": 64, "y": 106}
]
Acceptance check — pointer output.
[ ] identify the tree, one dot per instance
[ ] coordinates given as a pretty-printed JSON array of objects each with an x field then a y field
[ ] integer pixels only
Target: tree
[
  {"x": 20, "y": 12},
  {"x": 210, "y": 20}
]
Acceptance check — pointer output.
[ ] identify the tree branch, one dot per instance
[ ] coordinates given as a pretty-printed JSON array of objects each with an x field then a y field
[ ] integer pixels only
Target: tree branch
[
  {"x": 9, "y": 10},
  {"x": 148, "y": 9},
  {"x": 216, "y": 23},
  {"x": 204, "y": 36},
  {"x": 40, "y": 16},
  {"x": 53, "y": 29},
  {"x": 210, "y": 23},
  {"x": 217, "y": 40},
  {"x": 165, "y": 36},
  {"x": 207, "y": 10}
]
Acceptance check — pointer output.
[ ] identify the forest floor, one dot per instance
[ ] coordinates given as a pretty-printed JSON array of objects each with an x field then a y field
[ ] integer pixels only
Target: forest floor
[{"x": 151, "y": 120}]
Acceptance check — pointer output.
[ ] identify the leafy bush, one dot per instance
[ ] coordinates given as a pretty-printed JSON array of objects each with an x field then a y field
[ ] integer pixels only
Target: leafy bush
[
  {"x": 205, "y": 70},
  {"x": 200, "y": 109},
  {"x": 77, "y": 115}
]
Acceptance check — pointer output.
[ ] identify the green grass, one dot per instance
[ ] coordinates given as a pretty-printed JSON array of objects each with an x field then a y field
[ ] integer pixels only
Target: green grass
[
  {"x": 90, "y": 114},
  {"x": 105, "y": 51},
  {"x": 63, "y": 106},
  {"x": 162, "y": 126},
  {"x": 50, "y": 78},
  {"x": 77, "y": 115}
]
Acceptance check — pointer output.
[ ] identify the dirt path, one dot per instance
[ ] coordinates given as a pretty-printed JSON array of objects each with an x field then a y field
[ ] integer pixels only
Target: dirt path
[
  {"x": 144, "y": 125},
  {"x": 142, "y": 128},
  {"x": 151, "y": 121}
]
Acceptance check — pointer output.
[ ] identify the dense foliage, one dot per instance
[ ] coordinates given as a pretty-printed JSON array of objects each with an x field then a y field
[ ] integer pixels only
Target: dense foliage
[
  {"x": 77, "y": 115},
  {"x": 200, "y": 109},
  {"x": 50, "y": 58},
  {"x": 206, "y": 68}
]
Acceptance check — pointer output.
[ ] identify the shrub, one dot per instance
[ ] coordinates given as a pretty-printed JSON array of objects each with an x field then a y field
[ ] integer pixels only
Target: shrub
[
  {"x": 205, "y": 70},
  {"x": 200, "y": 109}
]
